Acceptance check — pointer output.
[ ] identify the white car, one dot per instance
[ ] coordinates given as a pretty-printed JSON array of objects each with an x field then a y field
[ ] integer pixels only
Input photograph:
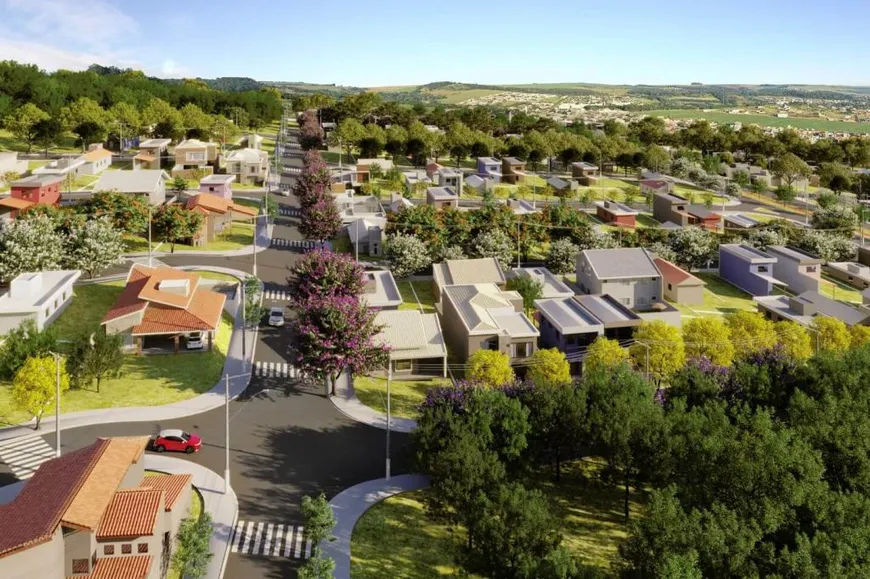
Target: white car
[
  {"x": 276, "y": 316},
  {"x": 194, "y": 341}
]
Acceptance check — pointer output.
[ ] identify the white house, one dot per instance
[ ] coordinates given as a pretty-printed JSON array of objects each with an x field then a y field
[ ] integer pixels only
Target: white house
[
  {"x": 40, "y": 296},
  {"x": 150, "y": 183},
  {"x": 72, "y": 166},
  {"x": 97, "y": 159},
  {"x": 248, "y": 165}
]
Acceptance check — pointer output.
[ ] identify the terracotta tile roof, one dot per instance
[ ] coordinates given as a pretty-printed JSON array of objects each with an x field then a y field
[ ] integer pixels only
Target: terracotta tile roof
[
  {"x": 128, "y": 302},
  {"x": 151, "y": 290},
  {"x": 674, "y": 274},
  {"x": 244, "y": 210},
  {"x": 34, "y": 515},
  {"x": 15, "y": 203},
  {"x": 89, "y": 504},
  {"x": 148, "y": 157},
  {"x": 97, "y": 154},
  {"x": 171, "y": 484},
  {"x": 131, "y": 513},
  {"x": 131, "y": 567},
  {"x": 209, "y": 202},
  {"x": 204, "y": 313},
  {"x": 654, "y": 183}
]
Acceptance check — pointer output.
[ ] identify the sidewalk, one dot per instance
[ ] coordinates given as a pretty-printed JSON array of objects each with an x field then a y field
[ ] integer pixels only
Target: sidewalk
[
  {"x": 223, "y": 508},
  {"x": 240, "y": 375},
  {"x": 263, "y": 241},
  {"x": 345, "y": 401},
  {"x": 350, "y": 504}
]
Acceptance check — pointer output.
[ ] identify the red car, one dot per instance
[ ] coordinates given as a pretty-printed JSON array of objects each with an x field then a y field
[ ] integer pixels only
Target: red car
[{"x": 177, "y": 440}]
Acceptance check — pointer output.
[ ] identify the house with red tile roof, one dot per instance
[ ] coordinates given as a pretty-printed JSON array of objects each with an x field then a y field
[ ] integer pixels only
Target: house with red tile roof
[
  {"x": 92, "y": 513},
  {"x": 161, "y": 305},
  {"x": 97, "y": 159},
  {"x": 218, "y": 214},
  {"x": 679, "y": 286}
]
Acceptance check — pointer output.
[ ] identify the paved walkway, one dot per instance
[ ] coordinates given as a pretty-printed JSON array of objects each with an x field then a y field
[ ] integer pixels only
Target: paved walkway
[
  {"x": 346, "y": 401},
  {"x": 350, "y": 504},
  {"x": 223, "y": 507},
  {"x": 238, "y": 367}
]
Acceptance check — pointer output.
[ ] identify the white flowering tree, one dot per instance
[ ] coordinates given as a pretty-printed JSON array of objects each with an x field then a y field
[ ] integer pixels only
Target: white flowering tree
[
  {"x": 562, "y": 257},
  {"x": 406, "y": 254},
  {"x": 494, "y": 243},
  {"x": 94, "y": 246},
  {"x": 29, "y": 245}
]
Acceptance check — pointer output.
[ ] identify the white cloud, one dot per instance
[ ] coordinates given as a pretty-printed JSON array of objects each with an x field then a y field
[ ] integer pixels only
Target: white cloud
[
  {"x": 51, "y": 58},
  {"x": 172, "y": 69},
  {"x": 90, "y": 23}
]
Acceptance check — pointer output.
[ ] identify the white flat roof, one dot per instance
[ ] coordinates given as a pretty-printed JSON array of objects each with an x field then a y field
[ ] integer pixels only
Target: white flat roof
[
  {"x": 386, "y": 292},
  {"x": 51, "y": 283}
]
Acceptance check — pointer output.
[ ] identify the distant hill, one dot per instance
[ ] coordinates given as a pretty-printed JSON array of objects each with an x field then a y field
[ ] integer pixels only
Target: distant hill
[{"x": 233, "y": 83}]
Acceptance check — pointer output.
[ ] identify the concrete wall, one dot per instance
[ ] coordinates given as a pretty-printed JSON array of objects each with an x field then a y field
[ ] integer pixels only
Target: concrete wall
[
  {"x": 45, "y": 561},
  {"x": 799, "y": 278},
  {"x": 670, "y": 318},
  {"x": 79, "y": 545},
  {"x": 11, "y": 321},
  {"x": 846, "y": 277},
  {"x": 634, "y": 293},
  {"x": 738, "y": 272},
  {"x": 551, "y": 337},
  {"x": 690, "y": 295}
]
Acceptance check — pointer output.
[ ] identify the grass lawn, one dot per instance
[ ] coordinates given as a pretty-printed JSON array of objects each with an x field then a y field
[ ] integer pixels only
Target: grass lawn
[
  {"x": 247, "y": 202},
  {"x": 85, "y": 181},
  {"x": 31, "y": 165},
  {"x": 720, "y": 298},
  {"x": 646, "y": 221},
  {"x": 590, "y": 513},
  {"x": 245, "y": 186},
  {"x": 217, "y": 276},
  {"x": 137, "y": 243},
  {"x": 120, "y": 166},
  {"x": 405, "y": 395},
  {"x": 89, "y": 304},
  {"x": 837, "y": 290},
  {"x": 332, "y": 157},
  {"x": 8, "y": 142},
  {"x": 342, "y": 244},
  {"x": 425, "y": 296},
  {"x": 240, "y": 235}
]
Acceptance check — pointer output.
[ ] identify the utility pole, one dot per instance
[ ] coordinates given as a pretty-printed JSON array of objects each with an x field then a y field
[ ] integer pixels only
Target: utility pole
[
  {"x": 389, "y": 379},
  {"x": 56, "y": 404},
  {"x": 244, "y": 322},
  {"x": 227, "y": 434},
  {"x": 518, "y": 245},
  {"x": 150, "y": 218}
]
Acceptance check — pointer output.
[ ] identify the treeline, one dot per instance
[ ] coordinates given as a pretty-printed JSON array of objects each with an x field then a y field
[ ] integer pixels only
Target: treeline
[{"x": 39, "y": 107}]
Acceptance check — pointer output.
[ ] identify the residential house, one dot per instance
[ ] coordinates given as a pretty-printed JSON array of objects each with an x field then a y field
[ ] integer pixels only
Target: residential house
[
  {"x": 566, "y": 325},
  {"x": 618, "y": 320},
  {"x": 562, "y": 187},
  {"x": 68, "y": 167},
  {"x": 679, "y": 286},
  {"x": 442, "y": 197},
  {"x": 353, "y": 207},
  {"x": 466, "y": 272},
  {"x": 92, "y": 513},
  {"x": 399, "y": 202},
  {"x": 799, "y": 271},
  {"x": 10, "y": 163},
  {"x": 485, "y": 317},
  {"x": 752, "y": 171},
  {"x": 97, "y": 159},
  {"x": 380, "y": 290},
  {"x": 850, "y": 272},
  {"x": 489, "y": 168},
  {"x": 432, "y": 168},
  {"x": 584, "y": 173},
  {"x": 864, "y": 253},
  {"x": 748, "y": 268},
  {"x": 363, "y": 168},
  {"x": 218, "y": 215},
  {"x": 478, "y": 183},
  {"x": 367, "y": 235},
  {"x": 151, "y": 154},
  {"x": 513, "y": 170},
  {"x": 799, "y": 184},
  {"x": 160, "y": 305},
  {"x": 669, "y": 207},
  {"x": 656, "y": 186},
  {"x": 193, "y": 155},
  {"x": 447, "y": 177},
  {"x": 220, "y": 185},
  {"x": 628, "y": 275},
  {"x": 10, "y": 207},
  {"x": 253, "y": 141},
  {"x": 413, "y": 179},
  {"x": 37, "y": 189},
  {"x": 416, "y": 342},
  {"x": 38, "y": 296},
  {"x": 521, "y": 206},
  {"x": 551, "y": 285},
  {"x": 248, "y": 165},
  {"x": 615, "y": 213},
  {"x": 150, "y": 183},
  {"x": 739, "y": 221},
  {"x": 808, "y": 305}
]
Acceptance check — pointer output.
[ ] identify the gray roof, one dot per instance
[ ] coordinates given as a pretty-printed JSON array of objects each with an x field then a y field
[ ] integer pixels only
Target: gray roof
[
  {"x": 468, "y": 271},
  {"x": 616, "y": 207},
  {"x": 216, "y": 178},
  {"x": 584, "y": 165},
  {"x": 488, "y": 161},
  {"x": 624, "y": 262},
  {"x": 742, "y": 220},
  {"x": 386, "y": 293},
  {"x": 37, "y": 181},
  {"x": 154, "y": 143},
  {"x": 411, "y": 335},
  {"x": 568, "y": 316},
  {"x": 784, "y": 306},
  {"x": 359, "y": 229},
  {"x": 558, "y": 183},
  {"x": 610, "y": 312},
  {"x": 781, "y": 251},
  {"x": 851, "y": 268},
  {"x": 553, "y": 287},
  {"x": 747, "y": 253},
  {"x": 441, "y": 193},
  {"x": 513, "y": 161},
  {"x": 475, "y": 181},
  {"x": 702, "y": 213},
  {"x": 485, "y": 309},
  {"x": 136, "y": 181}
]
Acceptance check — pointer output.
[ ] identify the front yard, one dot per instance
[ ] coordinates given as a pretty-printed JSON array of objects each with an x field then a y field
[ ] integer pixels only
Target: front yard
[
  {"x": 405, "y": 395},
  {"x": 720, "y": 298},
  {"x": 240, "y": 235},
  {"x": 421, "y": 296}
]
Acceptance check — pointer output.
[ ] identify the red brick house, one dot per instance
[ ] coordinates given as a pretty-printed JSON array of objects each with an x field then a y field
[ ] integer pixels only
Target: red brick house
[
  {"x": 615, "y": 213},
  {"x": 43, "y": 189}
]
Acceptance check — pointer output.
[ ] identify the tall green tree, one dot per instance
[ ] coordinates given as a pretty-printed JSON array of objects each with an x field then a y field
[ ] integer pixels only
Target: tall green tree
[
  {"x": 34, "y": 386},
  {"x": 173, "y": 223},
  {"x": 23, "y": 122}
]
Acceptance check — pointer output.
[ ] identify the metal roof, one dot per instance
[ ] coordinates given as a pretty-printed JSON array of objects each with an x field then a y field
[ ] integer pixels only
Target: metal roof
[
  {"x": 553, "y": 287},
  {"x": 793, "y": 254},
  {"x": 747, "y": 253},
  {"x": 626, "y": 262},
  {"x": 568, "y": 316},
  {"x": 610, "y": 312}
]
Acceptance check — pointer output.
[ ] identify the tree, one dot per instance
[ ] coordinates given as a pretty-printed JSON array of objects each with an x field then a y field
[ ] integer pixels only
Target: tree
[
  {"x": 529, "y": 288},
  {"x": 840, "y": 218},
  {"x": 323, "y": 273},
  {"x": 320, "y": 220},
  {"x": 795, "y": 340},
  {"x": 23, "y": 342},
  {"x": 784, "y": 194},
  {"x": 173, "y": 223},
  {"x": 831, "y": 334},
  {"x": 836, "y": 177},
  {"x": 317, "y": 568},
  {"x": 348, "y": 134},
  {"x": 127, "y": 213},
  {"x": 87, "y": 119},
  {"x": 562, "y": 256},
  {"x": 490, "y": 368},
  {"x": 758, "y": 187},
  {"x": 34, "y": 386},
  {"x": 709, "y": 338},
  {"x": 549, "y": 367},
  {"x": 319, "y": 520},
  {"x": 494, "y": 243},
  {"x": 29, "y": 245},
  {"x": 178, "y": 185},
  {"x": 829, "y": 246},
  {"x": 254, "y": 310},
  {"x": 93, "y": 356},
  {"x": 826, "y": 198},
  {"x": 125, "y": 119},
  {"x": 94, "y": 246},
  {"x": 604, "y": 353},
  {"x": 47, "y": 133},
  {"x": 23, "y": 121},
  {"x": 406, "y": 254},
  {"x": 659, "y": 350},
  {"x": 656, "y": 158},
  {"x": 694, "y": 247},
  {"x": 860, "y": 336},
  {"x": 789, "y": 168},
  {"x": 751, "y": 333},
  {"x": 192, "y": 553}
]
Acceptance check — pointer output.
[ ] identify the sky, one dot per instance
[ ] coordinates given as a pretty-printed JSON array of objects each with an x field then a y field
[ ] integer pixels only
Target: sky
[{"x": 355, "y": 43}]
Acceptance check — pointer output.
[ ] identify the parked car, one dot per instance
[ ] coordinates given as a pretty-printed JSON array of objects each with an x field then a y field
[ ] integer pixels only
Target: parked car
[
  {"x": 194, "y": 341},
  {"x": 176, "y": 440},
  {"x": 276, "y": 316}
]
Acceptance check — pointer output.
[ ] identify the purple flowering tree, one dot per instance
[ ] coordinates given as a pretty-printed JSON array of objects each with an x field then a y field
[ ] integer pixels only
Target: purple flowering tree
[
  {"x": 312, "y": 180},
  {"x": 323, "y": 273},
  {"x": 337, "y": 333},
  {"x": 320, "y": 219},
  {"x": 310, "y": 131}
]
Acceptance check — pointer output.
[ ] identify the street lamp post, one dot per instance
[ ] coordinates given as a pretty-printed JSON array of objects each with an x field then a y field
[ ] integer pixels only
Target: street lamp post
[
  {"x": 227, "y": 434},
  {"x": 150, "y": 218},
  {"x": 389, "y": 379},
  {"x": 56, "y": 404}
]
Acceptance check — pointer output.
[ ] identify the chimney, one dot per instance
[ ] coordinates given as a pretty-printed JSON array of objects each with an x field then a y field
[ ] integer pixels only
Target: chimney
[
  {"x": 802, "y": 306},
  {"x": 179, "y": 287},
  {"x": 25, "y": 285}
]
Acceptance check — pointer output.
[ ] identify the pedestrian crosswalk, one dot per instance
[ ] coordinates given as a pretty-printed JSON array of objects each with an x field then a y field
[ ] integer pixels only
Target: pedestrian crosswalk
[
  {"x": 24, "y": 455},
  {"x": 275, "y": 370},
  {"x": 288, "y": 211},
  {"x": 276, "y": 295},
  {"x": 271, "y": 540},
  {"x": 303, "y": 243}
]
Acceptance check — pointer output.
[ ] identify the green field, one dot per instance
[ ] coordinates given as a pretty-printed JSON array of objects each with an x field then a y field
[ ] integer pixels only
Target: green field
[
  {"x": 405, "y": 395},
  {"x": 720, "y": 298},
  {"x": 764, "y": 120},
  {"x": 422, "y": 296}
]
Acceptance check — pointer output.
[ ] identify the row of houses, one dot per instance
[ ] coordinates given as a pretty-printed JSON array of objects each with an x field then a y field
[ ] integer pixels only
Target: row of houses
[{"x": 192, "y": 157}]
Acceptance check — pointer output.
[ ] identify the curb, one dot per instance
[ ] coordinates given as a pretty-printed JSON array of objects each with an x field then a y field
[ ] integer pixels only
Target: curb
[{"x": 346, "y": 402}]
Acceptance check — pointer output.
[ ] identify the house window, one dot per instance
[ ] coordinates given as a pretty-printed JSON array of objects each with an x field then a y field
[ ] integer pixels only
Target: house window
[
  {"x": 109, "y": 550},
  {"x": 811, "y": 269},
  {"x": 762, "y": 269},
  {"x": 402, "y": 365},
  {"x": 491, "y": 344},
  {"x": 80, "y": 566},
  {"x": 46, "y": 312},
  {"x": 126, "y": 548},
  {"x": 670, "y": 287},
  {"x": 520, "y": 350},
  {"x": 625, "y": 301},
  {"x": 142, "y": 548}
]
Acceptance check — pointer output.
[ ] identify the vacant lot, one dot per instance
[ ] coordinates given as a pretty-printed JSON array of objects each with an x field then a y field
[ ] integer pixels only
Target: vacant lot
[
  {"x": 720, "y": 298},
  {"x": 721, "y": 116},
  {"x": 422, "y": 296},
  {"x": 405, "y": 395}
]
